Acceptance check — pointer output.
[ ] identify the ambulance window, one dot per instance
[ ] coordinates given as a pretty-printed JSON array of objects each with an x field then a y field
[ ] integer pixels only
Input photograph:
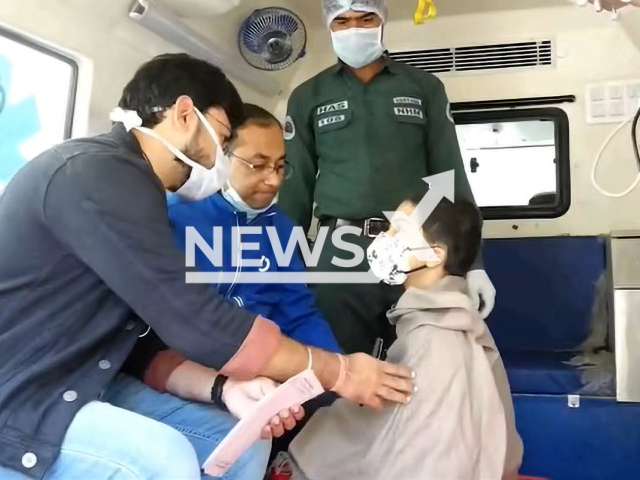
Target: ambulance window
[
  {"x": 37, "y": 98},
  {"x": 517, "y": 161}
]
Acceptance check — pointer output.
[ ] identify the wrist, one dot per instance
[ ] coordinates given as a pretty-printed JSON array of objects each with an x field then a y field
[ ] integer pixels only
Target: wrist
[
  {"x": 218, "y": 390},
  {"x": 201, "y": 388},
  {"x": 228, "y": 387},
  {"x": 328, "y": 368},
  {"x": 342, "y": 376}
]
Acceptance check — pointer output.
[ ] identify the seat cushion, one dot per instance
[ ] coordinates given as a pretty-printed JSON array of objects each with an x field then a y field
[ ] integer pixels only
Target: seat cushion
[
  {"x": 541, "y": 373},
  {"x": 598, "y": 440}
]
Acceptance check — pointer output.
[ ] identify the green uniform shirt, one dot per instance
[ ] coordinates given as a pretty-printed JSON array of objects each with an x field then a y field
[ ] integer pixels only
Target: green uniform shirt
[{"x": 359, "y": 149}]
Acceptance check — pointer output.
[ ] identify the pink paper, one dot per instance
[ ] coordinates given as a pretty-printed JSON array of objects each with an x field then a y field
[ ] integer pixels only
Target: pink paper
[{"x": 296, "y": 391}]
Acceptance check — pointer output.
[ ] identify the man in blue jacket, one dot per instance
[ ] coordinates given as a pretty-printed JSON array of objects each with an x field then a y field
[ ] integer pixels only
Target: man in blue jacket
[{"x": 258, "y": 168}]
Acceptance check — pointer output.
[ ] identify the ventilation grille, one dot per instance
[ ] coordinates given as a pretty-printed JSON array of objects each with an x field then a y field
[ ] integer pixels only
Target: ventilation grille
[{"x": 480, "y": 57}]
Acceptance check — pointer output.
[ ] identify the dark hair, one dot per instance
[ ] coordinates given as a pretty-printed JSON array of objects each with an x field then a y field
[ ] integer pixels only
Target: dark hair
[
  {"x": 161, "y": 81},
  {"x": 458, "y": 226},
  {"x": 255, "y": 115}
]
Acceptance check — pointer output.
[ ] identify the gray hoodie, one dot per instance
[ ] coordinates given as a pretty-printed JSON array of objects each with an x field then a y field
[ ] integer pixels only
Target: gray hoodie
[{"x": 459, "y": 425}]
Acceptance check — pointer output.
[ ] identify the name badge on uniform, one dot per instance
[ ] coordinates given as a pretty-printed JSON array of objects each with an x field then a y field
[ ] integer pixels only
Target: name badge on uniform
[
  {"x": 409, "y": 112},
  {"x": 407, "y": 101},
  {"x": 334, "y": 107},
  {"x": 331, "y": 120}
]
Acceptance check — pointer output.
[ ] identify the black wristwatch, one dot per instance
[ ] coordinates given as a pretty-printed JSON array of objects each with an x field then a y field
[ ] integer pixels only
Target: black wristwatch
[{"x": 216, "y": 392}]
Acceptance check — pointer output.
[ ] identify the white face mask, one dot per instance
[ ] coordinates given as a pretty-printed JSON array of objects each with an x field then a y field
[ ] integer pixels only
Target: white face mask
[
  {"x": 202, "y": 182},
  {"x": 358, "y": 47},
  {"x": 390, "y": 259}
]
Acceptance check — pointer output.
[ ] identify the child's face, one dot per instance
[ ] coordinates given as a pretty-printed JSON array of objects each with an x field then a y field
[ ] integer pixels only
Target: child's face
[{"x": 413, "y": 236}]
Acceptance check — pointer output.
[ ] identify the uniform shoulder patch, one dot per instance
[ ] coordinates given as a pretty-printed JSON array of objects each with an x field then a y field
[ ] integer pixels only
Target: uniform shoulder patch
[
  {"x": 407, "y": 100},
  {"x": 333, "y": 107},
  {"x": 289, "y": 129},
  {"x": 409, "y": 112},
  {"x": 331, "y": 120}
]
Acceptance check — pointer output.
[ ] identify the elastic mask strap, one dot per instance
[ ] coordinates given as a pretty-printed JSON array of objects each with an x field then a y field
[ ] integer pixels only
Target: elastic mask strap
[
  {"x": 424, "y": 267},
  {"x": 430, "y": 247},
  {"x": 209, "y": 128},
  {"x": 169, "y": 147},
  {"x": 132, "y": 121}
]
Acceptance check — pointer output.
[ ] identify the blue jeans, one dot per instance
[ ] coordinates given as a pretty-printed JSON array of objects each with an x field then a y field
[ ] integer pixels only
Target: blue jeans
[{"x": 135, "y": 433}]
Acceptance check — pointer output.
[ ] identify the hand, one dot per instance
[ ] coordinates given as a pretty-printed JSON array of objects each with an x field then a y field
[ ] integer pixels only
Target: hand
[
  {"x": 371, "y": 382},
  {"x": 242, "y": 397},
  {"x": 481, "y": 288}
]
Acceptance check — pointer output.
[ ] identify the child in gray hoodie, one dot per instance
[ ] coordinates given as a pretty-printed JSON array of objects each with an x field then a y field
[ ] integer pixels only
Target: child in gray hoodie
[{"x": 460, "y": 424}]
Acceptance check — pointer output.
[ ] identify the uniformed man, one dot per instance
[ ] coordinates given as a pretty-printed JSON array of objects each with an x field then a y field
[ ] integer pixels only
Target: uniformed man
[{"x": 360, "y": 136}]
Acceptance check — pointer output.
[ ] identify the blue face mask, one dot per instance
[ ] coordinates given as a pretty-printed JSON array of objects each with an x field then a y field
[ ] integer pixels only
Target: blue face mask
[{"x": 232, "y": 196}]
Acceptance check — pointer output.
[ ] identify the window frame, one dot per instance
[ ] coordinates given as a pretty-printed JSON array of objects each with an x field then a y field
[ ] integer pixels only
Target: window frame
[
  {"x": 52, "y": 52},
  {"x": 563, "y": 159}
]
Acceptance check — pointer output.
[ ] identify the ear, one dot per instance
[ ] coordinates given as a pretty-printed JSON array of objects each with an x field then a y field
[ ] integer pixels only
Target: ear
[
  {"x": 183, "y": 113},
  {"x": 441, "y": 253}
]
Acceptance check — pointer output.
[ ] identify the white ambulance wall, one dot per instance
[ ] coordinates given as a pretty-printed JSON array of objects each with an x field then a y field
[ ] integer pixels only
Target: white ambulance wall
[
  {"x": 591, "y": 49},
  {"x": 111, "y": 47},
  {"x": 631, "y": 23}
]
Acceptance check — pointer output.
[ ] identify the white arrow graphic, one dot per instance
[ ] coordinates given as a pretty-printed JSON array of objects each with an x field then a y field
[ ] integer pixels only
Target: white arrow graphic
[{"x": 440, "y": 186}]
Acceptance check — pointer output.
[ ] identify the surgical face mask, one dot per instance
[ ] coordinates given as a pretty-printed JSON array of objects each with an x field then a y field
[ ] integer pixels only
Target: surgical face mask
[
  {"x": 389, "y": 258},
  {"x": 233, "y": 197},
  {"x": 358, "y": 47},
  {"x": 202, "y": 182}
]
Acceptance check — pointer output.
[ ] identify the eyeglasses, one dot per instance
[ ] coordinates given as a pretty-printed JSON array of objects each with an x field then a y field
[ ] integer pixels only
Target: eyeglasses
[{"x": 284, "y": 171}]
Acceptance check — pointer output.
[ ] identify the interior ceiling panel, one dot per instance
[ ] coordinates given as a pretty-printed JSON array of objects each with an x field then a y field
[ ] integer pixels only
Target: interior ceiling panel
[{"x": 399, "y": 9}]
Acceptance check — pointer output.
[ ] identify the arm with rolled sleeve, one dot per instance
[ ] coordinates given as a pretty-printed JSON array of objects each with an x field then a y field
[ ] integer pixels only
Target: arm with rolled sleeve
[
  {"x": 111, "y": 214},
  {"x": 297, "y": 192}
]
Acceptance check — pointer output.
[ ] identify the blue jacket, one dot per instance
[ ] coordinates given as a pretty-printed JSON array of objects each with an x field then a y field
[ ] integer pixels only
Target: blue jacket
[{"x": 291, "y": 306}]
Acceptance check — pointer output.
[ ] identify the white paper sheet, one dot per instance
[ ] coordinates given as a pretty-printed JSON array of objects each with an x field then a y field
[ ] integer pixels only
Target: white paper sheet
[{"x": 296, "y": 391}]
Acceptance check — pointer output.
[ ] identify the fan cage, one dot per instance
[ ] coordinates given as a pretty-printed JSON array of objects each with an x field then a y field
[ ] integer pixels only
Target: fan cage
[{"x": 264, "y": 21}]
